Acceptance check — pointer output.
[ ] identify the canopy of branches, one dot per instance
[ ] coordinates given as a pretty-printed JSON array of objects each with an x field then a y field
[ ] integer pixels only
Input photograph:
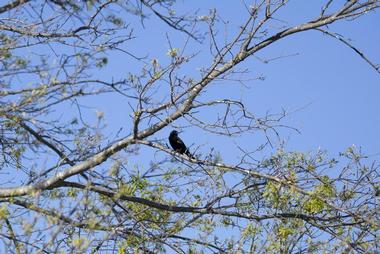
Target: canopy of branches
[{"x": 73, "y": 182}]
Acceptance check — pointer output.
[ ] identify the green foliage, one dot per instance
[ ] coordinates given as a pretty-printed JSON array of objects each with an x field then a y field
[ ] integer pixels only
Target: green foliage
[
  {"x": 122, "y": 249},
  {"x": 56, "y": 194},
  {"x": 271, "y": 192},
  {"x": 21, "y": 62},
  {"x": 137, "y": 184},
  {"x": 226, "y": 221},
  {"x": 314, "y": 205},
  {"x": 5, "y": 53},
  {"x": 280, "y": 196},
  {"x": 80, "y": 244},
  {"x": 4, "y": 213},
  {"x": 249, "y": 231},
  {"x": 284, "y": 232},
  {"x": 72, "y": 192},
  {"x": 17, "y": 153},
  {"x": 325, "y": 190}
]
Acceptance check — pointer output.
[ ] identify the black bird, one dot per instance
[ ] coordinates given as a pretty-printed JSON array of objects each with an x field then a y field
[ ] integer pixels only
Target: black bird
[{"x": 177, "y": 144}]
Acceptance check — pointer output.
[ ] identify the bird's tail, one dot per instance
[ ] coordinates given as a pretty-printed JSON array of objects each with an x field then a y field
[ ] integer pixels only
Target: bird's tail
[{"x": 189, "y": 154}]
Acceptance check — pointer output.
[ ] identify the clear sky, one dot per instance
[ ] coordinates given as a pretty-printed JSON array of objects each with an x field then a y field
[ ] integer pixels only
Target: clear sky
[{"x": 333, "y": 93}]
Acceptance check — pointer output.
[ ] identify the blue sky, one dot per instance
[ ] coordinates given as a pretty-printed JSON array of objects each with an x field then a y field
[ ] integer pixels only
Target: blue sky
[{"x": 333, "y": 93}]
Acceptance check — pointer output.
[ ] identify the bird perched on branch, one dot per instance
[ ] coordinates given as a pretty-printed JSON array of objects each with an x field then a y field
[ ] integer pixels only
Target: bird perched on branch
[{"x": 178, "y": 145}]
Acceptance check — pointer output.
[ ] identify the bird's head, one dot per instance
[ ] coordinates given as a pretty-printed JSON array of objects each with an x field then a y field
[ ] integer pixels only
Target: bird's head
[{"x": 174, "y": 133}]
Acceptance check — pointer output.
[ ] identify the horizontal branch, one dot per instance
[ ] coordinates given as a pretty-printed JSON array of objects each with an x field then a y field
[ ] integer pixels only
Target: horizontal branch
[{"x": 12, "y": 5}]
